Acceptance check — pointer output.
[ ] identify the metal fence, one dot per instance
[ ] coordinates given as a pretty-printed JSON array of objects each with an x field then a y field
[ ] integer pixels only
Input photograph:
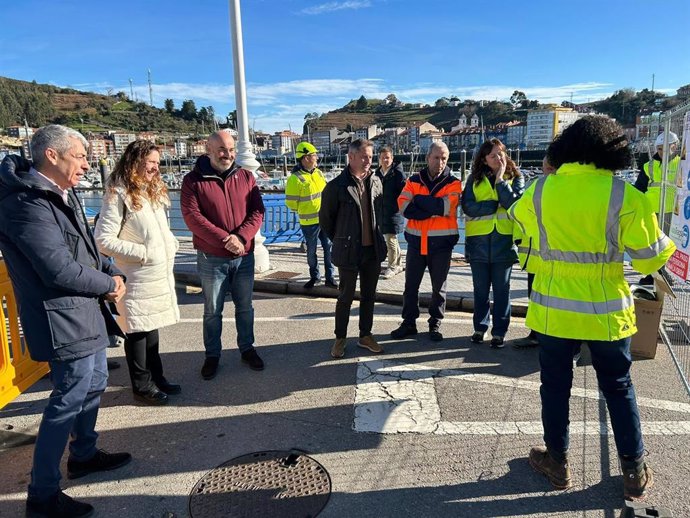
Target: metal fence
[{"x": 675, "y": 324}]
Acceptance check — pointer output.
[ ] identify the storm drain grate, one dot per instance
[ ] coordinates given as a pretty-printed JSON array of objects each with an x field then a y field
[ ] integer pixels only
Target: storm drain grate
[
  {"x": 265, "y": 484},
  {"x": 280, "y": 275}
]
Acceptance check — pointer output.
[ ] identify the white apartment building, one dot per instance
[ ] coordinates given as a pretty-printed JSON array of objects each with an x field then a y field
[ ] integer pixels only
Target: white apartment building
[
  {"x": 544, "y": 124},
  {"x": 121, "y": 141},
  {"x": 181, "y": 148}
]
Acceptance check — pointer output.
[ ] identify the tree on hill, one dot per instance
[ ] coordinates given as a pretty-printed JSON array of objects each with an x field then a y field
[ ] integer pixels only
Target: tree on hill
[
  {"x": 169, "y": 105},
  {"x": 361, "y": 104},
  {"x": 442, "y": 102},
  {"x": 518, "y": 99},
  {"x": 188, "y": 110}
]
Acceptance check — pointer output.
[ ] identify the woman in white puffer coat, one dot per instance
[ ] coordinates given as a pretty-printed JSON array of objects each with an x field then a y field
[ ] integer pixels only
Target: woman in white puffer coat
[{"x": 133, "y": 230}]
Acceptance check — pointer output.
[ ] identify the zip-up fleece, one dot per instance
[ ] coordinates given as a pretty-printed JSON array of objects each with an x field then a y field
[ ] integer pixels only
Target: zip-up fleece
[{"x": 214, "y": 208}]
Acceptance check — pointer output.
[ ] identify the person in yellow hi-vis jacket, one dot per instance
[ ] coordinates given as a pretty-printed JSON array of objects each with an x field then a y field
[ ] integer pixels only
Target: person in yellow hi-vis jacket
[
  {"x": 582, "y": 220},
  {"x": 303, "y": 195},
  {"x": 528, "y": 257}
]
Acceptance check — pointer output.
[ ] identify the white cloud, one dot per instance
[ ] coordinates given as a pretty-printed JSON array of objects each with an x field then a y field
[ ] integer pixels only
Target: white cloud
[
  {"x": 335, "y": 6},
  {"x": 277, "y": 106}
]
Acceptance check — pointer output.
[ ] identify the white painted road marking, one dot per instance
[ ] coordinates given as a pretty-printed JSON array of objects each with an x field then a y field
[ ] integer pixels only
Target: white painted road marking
[{"x": 394, "y": 397}]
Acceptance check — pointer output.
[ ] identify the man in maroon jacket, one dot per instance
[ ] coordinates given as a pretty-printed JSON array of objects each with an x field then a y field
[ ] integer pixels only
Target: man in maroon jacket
[{"x": 222, "y": 206}]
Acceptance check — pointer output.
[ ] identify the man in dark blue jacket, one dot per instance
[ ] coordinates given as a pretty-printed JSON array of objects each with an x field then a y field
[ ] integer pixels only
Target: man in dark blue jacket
[{"x": 61, "y": 284}]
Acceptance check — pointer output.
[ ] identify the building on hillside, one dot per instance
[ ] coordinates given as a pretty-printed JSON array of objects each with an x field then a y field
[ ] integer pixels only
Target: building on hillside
[
  {"x": 147, "y": 135},
  {"x": 414, "y": 133},
  {"x": 198, "y": 148},
  {"x": 20, "y": 132},
  {"x": 367, "y": 132},
  {"x": 323, "y": 140},
  {"x": 516, "y": 135},
  {"x": 121, "y": 141},
  {"x": 474, "y": 121},
  {"x": 181, "y": 149},
  {"x": 545, "y": 123},
  {"x": 462, "y": 123},
  {"x": 97, "y": 148},
  {"x": 429, "y": 138},
  {"x": 284, "y": 141}
]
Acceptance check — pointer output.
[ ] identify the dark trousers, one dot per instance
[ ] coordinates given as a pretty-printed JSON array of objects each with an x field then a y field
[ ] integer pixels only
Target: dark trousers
[
  {"x": 487, "y": 276},
  {"x": 611, "y": 362},
  {"x": 368, "y": 271},
  {"x": 438, "y": 264},
  {"x": 143, "y": 360},
  {"x": 72, "y": 409}
]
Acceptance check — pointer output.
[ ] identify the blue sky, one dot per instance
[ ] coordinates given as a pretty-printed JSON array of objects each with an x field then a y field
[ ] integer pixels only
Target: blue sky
[{"x": 304, "y": 56}]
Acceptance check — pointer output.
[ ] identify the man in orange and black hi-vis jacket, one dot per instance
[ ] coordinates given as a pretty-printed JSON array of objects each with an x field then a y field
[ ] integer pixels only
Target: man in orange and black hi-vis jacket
[{"x": 429, "y": 201}]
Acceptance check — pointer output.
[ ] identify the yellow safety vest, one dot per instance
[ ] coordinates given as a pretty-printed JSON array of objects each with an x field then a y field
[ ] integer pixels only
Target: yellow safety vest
[
  {"x": 584, "y": 219},
  {"x": 303, "y": 195},
  {"x": 654, "y": 188},
  {"x": 527, "y": 249},
  {"x": 483, "y": 225}
]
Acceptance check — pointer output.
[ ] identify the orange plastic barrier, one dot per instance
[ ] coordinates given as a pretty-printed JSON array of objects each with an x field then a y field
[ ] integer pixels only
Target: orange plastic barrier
[{"x": 17, "y": 370}]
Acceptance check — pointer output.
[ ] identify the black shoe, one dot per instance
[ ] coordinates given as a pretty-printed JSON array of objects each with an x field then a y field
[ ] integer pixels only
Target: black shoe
[
  {"x": 59, "y": 505},
  {"x": 101, "y": 461},
  {"x": 153, "y": 397},
  {"x": 435, "y": 335},
  {"x": 310, "y": 284},
  {"x": 478, "y": 337},
  {"x": 210, "y": 367},
  {"x": 331, "y": 284},
  {"x": 496, "y": 342},
  {"x": 112, "y": 365},
  {"x": 171, "y": 389},
  {"x": 252, "y": 359},
  {"x": 404, "y": 331}
]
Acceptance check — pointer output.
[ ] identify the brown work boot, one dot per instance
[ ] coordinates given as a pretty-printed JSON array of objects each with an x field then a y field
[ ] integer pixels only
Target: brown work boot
[
  {"x": 636, "y": 482},
  {"x": 368, "y": 342},
  {"x": 557, "y": 473},
  {"x": 338, "y": 349}
]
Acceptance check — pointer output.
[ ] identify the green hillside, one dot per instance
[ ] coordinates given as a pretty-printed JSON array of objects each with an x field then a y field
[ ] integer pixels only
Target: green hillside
[{"x": 41, "y": 104}]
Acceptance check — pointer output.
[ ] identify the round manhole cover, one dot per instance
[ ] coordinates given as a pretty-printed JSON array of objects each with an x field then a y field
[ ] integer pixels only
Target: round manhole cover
[{"x": 283, "y": 484}]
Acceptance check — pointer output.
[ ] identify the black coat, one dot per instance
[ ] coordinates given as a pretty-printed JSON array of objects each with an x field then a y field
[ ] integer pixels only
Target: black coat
[
  {"x": 340, "y": 218},
  {"x": 392, "y": 221},
  {"x": 58, "y": 276}
]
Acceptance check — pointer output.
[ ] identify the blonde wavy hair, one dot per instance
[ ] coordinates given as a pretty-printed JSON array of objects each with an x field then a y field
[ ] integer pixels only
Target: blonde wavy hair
[{"x": 126, "y": 175}]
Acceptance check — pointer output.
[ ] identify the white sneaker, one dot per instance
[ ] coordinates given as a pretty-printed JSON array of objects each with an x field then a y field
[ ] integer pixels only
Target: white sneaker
[{"x": 388, "y": 273}]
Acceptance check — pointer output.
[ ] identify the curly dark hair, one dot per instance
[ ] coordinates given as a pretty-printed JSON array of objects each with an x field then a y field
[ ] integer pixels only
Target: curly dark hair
[
  {"x": 480, "y": 168},
  {"x": 126, "y": 175},
  {"x": 594, "y": 139}
]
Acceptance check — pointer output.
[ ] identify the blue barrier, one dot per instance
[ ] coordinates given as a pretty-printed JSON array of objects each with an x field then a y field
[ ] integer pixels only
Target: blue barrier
[{"x": 280, "y": 223}]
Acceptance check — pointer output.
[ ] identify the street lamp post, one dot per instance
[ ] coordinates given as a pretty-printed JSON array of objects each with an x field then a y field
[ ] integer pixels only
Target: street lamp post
[{"x": 245, "y": 157}]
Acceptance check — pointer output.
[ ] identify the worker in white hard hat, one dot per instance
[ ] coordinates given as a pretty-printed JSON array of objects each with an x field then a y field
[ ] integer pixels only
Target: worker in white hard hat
[{"x": 650, "y": 178}]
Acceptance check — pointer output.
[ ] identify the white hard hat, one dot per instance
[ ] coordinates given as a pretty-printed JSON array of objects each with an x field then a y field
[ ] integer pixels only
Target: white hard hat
[{"x": 672, "y": 139}]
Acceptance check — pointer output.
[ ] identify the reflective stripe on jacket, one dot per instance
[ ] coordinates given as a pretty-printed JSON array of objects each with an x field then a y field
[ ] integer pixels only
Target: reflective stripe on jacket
[
  {"x": 431, "y": 212},
  {"x": 581, "y": 220},
  {"x": 654, "y": 187},
  {"x": 483, "y": 225},
  {"x": 303, "y": 194}
]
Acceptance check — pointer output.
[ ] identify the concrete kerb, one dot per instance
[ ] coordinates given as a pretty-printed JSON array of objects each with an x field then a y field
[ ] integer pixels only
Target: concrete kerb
[{"x": 454, "y": 303}]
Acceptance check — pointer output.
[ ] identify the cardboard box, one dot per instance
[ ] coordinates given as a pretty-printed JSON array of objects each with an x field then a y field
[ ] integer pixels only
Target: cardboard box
[{"x": 648, "y": 313}]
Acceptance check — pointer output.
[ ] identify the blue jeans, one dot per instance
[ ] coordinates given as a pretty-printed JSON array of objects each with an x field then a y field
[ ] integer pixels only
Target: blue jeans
[
  {"x": 72, "y": 409},
  {"x": 611, "y": 361},
  {"x": 218, "y": 275},
  {"x": 312, "y": 235},
  {"x": 486, "y": 276}
]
